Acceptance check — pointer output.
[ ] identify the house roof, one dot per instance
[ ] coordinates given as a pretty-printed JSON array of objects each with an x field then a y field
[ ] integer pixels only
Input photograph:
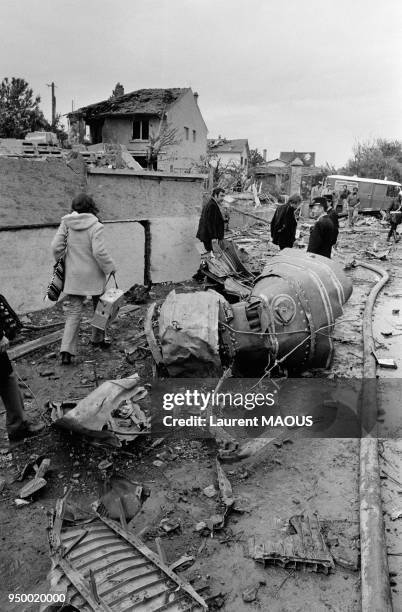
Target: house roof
[
  {"x": 307, "y": 158},
  {"x": 227, "y": 146},
  {"x": 141, "y": 102}
]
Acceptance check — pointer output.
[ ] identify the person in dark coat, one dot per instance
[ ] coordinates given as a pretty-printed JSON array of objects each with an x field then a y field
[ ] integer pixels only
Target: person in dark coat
[
  {"x": 322, "y": 234},
  {"x": 333, "y": 215},
  {"x": 284, "y": 224},
  {"x": 212, "y": 224},
  {"x": 18, "y": 427}
]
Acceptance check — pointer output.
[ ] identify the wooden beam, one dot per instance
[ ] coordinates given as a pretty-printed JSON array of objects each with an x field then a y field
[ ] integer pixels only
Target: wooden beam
[{"x": 28, "y": 347}]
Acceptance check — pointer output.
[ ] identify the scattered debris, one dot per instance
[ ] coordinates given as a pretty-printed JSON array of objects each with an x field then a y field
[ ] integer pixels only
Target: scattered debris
[
  {"x": 383, "y": 255},
  {"x": 250, "y": 594},
  {"x": 200, "y": 526},
  {"x": 21, "y": 502},
  {"x": 385, "y": 363},
  {"x": 3, "y": 483},
  {"x": 395, "y": 513},
  {"x": 168, "y": 525},
  {"x": 224, "y": 486},
  {"x": 38, "y": 482},
  {"x": 122, "y": 497},
  {"x": 105, "y": 465},
  {"x": 305, "y": 548},
  {"x": 93, "y": 416},
  {"x": 210, "y": 491},
  {"x": 184, "y": 562}
]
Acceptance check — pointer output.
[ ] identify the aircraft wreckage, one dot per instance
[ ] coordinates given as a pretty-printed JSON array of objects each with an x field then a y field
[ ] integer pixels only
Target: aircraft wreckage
[{"x": 283, "y": 317}]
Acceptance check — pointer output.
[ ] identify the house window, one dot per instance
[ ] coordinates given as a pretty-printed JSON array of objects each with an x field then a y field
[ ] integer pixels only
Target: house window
[
  {"x": 141, "y": 129},
  {"x": 241, "y": 160},
  {"x": 187, "y": 132},
  {"x": 194, "y": 135}
]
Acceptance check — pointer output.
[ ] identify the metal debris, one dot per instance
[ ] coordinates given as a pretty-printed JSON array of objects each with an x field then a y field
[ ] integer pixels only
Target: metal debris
[
  {"x": 97, "y": 415},
  {"x": 110, "y": 568},
  {"x": 305, "y": 549}
]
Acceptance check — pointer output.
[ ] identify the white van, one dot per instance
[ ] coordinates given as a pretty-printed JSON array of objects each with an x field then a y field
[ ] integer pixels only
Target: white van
[{"x": 375, "y": 194}]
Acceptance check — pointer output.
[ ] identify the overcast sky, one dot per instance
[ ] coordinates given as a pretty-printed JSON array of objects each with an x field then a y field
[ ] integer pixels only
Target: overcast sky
[{"x": 316, "y": 75}]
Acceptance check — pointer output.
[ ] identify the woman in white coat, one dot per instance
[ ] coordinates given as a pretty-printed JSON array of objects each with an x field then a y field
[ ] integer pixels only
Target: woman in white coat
[{"x": 87, "y": 264}]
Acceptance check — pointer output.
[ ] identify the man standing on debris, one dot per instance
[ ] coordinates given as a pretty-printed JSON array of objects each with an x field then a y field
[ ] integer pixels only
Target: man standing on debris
[
  {"x": 87, "y": 266},
  {"x": 283, "y": 224},
  {"x": 18, "y": 427},
  {"x": 322, "y": 234},
  {"x": 353, "y": 203},
  {"x": 212, "y": 224}
]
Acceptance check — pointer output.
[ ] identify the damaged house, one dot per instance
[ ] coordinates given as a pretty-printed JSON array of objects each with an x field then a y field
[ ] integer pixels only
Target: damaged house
[
  {"x": 291, "y": 172},
  {"x": 163, "y": 129},
  {"x": 230, "y": 151}
]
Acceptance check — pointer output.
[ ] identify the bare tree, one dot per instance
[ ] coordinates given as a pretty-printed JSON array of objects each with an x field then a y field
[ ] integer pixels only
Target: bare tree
[{"x": 165, "y": 136}]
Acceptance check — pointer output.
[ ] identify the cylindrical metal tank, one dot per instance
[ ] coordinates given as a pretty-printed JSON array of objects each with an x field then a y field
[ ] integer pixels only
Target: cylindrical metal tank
[{"x": 302, "y": 294}]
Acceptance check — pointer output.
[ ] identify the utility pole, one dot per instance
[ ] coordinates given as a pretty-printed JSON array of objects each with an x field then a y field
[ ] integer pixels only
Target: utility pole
[{"x": 53, "y": 86}]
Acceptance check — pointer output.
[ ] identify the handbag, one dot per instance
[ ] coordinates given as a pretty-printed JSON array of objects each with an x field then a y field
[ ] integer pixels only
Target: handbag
[
  {"x": 10, "y": 324},
  {"x": 108, "y": 306},
  {"x": 56, "y": 285}
]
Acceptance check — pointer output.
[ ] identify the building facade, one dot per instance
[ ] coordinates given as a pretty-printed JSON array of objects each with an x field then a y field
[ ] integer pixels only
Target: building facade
[{"x": 163, "y": 129}]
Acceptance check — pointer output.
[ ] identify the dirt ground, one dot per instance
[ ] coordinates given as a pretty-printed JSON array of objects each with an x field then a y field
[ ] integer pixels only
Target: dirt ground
[{"x": 318, "y": 476}]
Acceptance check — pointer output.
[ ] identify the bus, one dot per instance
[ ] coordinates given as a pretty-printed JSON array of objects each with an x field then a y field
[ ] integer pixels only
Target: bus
[{"x": 375, "y": 194}]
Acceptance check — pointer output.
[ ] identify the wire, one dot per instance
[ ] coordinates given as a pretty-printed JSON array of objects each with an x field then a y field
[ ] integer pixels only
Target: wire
[
  {"x": 282, "y": 359},
  {"x": 29, "y": 389},
  {"x": 296, "y": 331}
]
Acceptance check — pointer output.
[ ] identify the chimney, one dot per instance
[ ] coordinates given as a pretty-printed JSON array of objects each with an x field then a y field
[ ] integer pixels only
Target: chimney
[
  {"x": 118, "y": 91},
  {"x": 196, "y": 97},
  {"x": 264, "y": 154}
]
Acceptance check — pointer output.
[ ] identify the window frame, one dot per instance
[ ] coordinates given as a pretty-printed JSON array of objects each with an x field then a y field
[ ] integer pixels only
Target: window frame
[{"x": 141, "y": 123}]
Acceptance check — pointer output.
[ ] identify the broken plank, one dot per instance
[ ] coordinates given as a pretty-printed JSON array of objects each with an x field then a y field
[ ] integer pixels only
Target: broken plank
[
  {"x": 28, "y": 347},
  {"x": 153, "y": 345},
  {"x": 128, "y": 308}
]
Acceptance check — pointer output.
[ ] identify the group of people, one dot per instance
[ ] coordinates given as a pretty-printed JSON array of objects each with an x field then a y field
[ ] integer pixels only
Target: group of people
[
  {"x": 323, "y": 234},
  {"x": 80, "y": 238},
  {"x": 345, "y": 200}
]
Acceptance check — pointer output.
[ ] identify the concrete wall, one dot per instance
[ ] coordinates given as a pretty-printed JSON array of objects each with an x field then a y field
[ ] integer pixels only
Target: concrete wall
[
  {"x": 173, "y": 253},
  {"x": 26, "y": 261},
  {"x": 128, "y": 194},
  {"x": 168, "y": 205},
  {"x": 37, "y": 191}
]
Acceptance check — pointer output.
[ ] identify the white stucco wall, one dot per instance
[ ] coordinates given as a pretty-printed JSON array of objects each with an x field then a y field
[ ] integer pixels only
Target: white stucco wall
[
  {"x": 185, "y": 113},
  {"x": 230, "y": 157}
]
